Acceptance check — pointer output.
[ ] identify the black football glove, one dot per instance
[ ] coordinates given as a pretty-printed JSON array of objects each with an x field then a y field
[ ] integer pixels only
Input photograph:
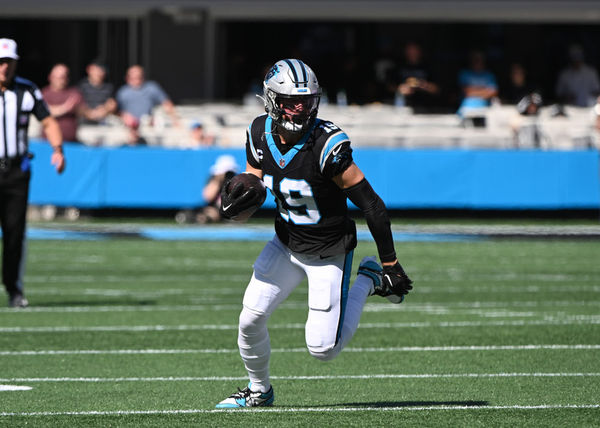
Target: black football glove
[
  {"x": 396, "y": 279},
  {"x": 236, "y": 200}
]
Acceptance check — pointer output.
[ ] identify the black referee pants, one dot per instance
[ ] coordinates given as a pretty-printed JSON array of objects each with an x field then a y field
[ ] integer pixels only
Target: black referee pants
[{"x": 14, "y": 192}]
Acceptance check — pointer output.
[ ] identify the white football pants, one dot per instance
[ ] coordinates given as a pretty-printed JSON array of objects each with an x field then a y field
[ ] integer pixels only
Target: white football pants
[{"x": 333, "y": 310}]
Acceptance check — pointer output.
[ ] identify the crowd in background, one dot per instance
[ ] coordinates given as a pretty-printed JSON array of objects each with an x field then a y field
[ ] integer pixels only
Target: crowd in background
[
  {"x": 93, "y": 101},
  {"x": 411, "y": 81}
]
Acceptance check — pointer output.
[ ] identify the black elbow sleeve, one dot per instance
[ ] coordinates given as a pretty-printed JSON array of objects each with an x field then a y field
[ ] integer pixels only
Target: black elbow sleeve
[{"x": 364, "y": 197}]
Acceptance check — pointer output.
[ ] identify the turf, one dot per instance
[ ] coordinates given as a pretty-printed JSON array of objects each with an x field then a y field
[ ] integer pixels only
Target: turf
[{"x": 131, "y": 332}]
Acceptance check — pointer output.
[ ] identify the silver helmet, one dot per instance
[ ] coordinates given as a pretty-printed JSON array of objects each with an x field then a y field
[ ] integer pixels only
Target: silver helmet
[{"x": 291, "y": 95}]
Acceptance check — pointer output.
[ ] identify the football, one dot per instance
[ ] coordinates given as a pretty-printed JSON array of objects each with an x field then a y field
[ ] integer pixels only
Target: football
[{"x": 250, "y": 184}]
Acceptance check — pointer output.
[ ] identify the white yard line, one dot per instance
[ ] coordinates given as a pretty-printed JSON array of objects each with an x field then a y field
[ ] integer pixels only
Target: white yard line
[
  {"x": 105, "y": 292},
  {"x": 369, "y": 307},
  {"x": 242, "y": 280},
  {"x": 575, "y": 320},
  {"x": 340, "y": 377},
  {"x": 4, "y": 388},
  {"x": 593, "y": 287},
  {"x": 306, "y": 410},
  {"x": 302, "y": 350},
  {"x": 125, "y": 308},
  {"x": 133, "y": 278},
  {"x": 452, "y": 306}
]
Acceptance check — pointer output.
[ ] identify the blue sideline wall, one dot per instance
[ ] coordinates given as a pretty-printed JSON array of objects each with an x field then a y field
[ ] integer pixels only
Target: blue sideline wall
[{"x": 143, "y": 177}]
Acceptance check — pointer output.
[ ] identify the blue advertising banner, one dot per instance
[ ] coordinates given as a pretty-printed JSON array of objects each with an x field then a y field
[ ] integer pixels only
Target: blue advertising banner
[{"x": 148, "y": 177}]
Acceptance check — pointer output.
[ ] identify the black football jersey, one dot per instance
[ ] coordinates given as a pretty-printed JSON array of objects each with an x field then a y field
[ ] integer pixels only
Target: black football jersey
[{"x": 312, "y": 211}]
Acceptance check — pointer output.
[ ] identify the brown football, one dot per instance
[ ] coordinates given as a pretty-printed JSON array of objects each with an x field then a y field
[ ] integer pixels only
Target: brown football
[{"x": 249, "y": 181}]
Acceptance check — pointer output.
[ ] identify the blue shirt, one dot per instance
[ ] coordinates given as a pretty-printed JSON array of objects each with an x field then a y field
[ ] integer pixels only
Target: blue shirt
[
  {"x": 140, "y": 101},
  {"x": 476, "y": 78}
]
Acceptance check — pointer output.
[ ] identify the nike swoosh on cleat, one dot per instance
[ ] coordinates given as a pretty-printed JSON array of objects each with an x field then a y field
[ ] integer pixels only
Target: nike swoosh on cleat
[{"x": 227, "y": 207}]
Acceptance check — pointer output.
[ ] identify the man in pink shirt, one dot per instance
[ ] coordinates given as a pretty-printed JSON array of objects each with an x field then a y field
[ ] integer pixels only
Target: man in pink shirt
[{"x": 65, "y": 102}]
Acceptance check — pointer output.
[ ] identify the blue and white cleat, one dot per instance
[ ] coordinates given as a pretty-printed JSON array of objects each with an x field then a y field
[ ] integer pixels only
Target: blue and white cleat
[
  {"x": 247, "y": 398},
  {"x": 369, "y": 267}
]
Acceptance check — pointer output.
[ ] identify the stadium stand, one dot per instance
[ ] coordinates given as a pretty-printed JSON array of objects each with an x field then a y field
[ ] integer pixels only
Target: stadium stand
[{"x": 375, "y": 125}]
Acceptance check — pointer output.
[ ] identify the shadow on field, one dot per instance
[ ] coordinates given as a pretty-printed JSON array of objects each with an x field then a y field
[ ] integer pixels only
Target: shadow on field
[{"x": 467, "y": 403}]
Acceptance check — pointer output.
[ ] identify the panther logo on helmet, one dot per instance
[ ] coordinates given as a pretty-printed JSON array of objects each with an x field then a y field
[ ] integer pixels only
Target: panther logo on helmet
[
  {"x": 291, "y": 100},
  {"x": 272, "y": 72}
]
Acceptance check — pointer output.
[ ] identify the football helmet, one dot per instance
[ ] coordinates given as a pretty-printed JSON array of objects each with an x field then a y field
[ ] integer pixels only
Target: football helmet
[{"x": 291, "y": 95}]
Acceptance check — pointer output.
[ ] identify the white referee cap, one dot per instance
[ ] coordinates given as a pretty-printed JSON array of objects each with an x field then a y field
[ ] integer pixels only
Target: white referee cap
[
  {"x": 224, "y": 163},
  {"x": 8, "y": 49}
]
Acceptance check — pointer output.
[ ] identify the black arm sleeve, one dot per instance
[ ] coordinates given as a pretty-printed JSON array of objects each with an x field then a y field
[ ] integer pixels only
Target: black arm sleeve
[{"x": 364, "y": 197}]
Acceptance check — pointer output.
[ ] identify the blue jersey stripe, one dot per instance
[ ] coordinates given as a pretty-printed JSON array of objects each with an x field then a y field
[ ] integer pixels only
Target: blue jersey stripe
[
  {"x": 344, "y": 292},
  {"x": 284, "y": 160},
  {"x": 331, "y": 143}
]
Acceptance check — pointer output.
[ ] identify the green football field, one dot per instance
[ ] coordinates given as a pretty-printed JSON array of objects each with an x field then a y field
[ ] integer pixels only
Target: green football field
[{"x": 134, "y": 332}]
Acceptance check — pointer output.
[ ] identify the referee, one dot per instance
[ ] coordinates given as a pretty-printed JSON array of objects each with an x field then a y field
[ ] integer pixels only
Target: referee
[{"x": 18, "y": 99}]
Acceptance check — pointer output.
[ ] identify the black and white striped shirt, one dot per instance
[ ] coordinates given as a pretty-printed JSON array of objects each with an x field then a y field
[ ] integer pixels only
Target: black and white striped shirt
[{"x": 17, "y": 102}]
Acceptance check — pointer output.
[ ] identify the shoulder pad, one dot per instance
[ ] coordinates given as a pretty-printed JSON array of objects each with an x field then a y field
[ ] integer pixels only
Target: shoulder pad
[
  {"x": 256, "y": 128},
  {"x": 333, "y": 143}
]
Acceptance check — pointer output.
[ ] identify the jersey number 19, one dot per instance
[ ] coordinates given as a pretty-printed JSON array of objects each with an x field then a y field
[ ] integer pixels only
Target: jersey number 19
[{"x": 295, "y": 200}]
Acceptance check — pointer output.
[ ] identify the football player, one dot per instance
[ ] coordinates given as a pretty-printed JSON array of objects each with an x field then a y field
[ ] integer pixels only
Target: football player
[{"x": 307, "y": 164}]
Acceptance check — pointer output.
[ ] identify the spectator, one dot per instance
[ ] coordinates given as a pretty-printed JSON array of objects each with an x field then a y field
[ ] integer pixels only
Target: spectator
[
  {"x": 21, "y": 98},
  {"x": 199, "y": 138},
  {"x": 416, "y": 86},
  {"x": 224, "y": 168},
  {"x": 137, "y": 98},
  {"x": 525, "y": 125},
  {"x": 477, "y": 83},
  {"x": 518, "y": 87},
  {"x": 578, "y": 84},
  {"x": 65, "y": 102},
  {"x": 384, "y": 71},
  {"x": 98, "y": 95}
]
